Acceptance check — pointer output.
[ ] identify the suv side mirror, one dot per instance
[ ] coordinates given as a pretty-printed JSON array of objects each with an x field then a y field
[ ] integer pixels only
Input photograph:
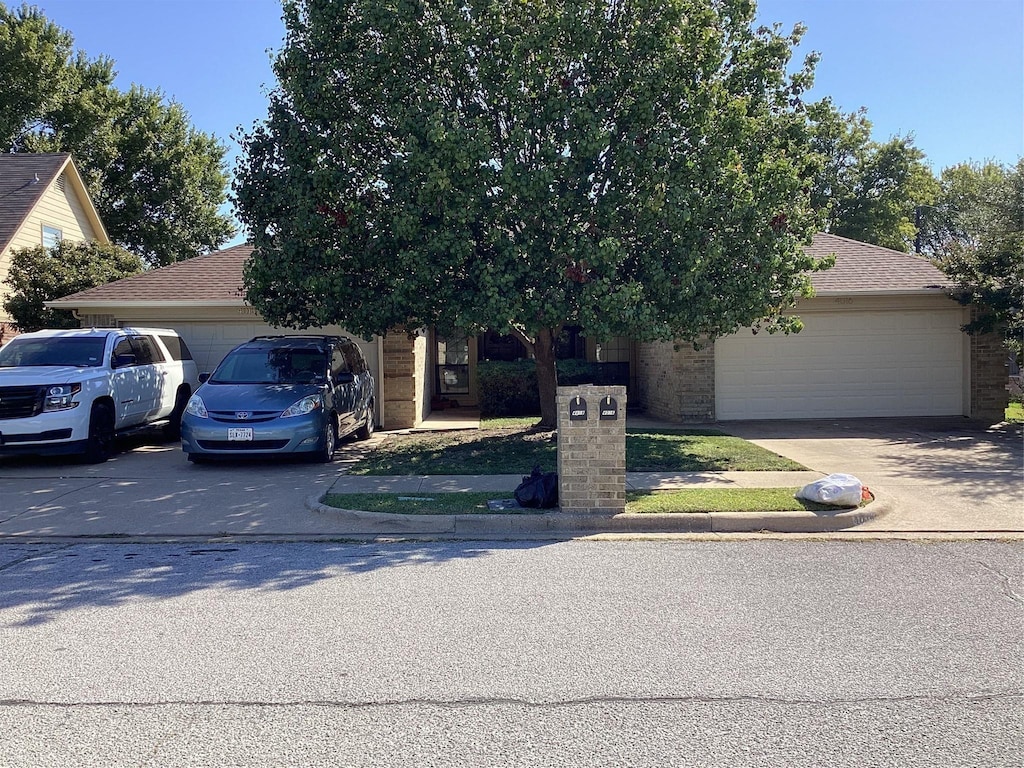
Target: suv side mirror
[
  {"x": 344, "y": 378},
  {"x": 120, "y": 361}
]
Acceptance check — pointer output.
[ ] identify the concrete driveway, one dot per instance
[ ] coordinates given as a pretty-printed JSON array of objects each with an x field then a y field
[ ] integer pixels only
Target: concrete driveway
[
  {"x": 150, "y": 489},
  {"x": 942, "y": 474},
  {"x": 936, "y": 475}
]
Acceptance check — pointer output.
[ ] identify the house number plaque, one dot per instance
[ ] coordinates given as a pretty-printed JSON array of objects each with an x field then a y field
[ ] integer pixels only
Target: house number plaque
[
  {"x": 609, "y": 409},
  {"x": 577, "y": 409}
]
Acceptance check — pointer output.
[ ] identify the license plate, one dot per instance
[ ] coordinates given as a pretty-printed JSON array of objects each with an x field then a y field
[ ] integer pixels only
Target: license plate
[{"x": 240, "y": 433}]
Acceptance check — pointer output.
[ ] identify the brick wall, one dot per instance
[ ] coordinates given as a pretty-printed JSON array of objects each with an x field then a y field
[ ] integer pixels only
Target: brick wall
[
  {"x": 403, "y": 366},
  {"x": 676, "y": 384},
  {"x": 989, "y": 376},
  {"x": 591, "y": 453}
]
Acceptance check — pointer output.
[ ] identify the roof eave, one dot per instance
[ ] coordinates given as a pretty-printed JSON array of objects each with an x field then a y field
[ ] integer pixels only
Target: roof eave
[
  {"x": 135, "y": 304},
  {"x": 938, "y": 291}
]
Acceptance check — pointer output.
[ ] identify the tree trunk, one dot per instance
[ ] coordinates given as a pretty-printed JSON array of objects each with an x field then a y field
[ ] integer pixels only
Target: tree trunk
[{"x": 547, "y": 378}]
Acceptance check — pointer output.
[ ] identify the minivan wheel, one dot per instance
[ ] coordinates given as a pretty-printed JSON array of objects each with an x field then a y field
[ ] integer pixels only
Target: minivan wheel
[
  {"x": 366, "y": 430},
  {"x": 329, "y": 442},
  {"x": 100, "y": 442}
]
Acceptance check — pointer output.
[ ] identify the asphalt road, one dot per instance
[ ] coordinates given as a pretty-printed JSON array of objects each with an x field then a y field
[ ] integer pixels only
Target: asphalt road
[{"x": 587, "y": 653}]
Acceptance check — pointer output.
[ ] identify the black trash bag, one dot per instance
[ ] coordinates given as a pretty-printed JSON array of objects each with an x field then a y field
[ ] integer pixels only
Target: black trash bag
[{"x": 539, "y": 490}]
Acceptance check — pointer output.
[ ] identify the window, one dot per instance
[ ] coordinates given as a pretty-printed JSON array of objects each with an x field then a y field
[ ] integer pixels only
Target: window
[
  {"x": 339, "y": 364},
  {"x": 146, "y": 352},
  {"x": 452, "y": 366},
  {"x": 177, "y": 347},
  {"x": 123, "y": 354},
  {"x": 51, "y": 236},
  {"x": 354, "y": 358}
]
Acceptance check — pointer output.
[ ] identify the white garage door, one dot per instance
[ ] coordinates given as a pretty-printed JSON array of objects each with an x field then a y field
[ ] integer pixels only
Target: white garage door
[{"x": 845, "y": 364}]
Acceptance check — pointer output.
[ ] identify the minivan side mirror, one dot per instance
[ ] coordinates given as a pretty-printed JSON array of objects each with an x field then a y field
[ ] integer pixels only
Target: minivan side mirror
[{"x": 204, "y": 377}]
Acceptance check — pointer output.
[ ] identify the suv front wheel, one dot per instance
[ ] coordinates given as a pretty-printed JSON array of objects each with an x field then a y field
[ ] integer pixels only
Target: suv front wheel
[{"x": 100, "y": 442}]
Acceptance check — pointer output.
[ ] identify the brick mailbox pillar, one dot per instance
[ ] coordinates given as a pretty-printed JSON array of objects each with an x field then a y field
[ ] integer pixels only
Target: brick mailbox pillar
[{"x": 592, "y": 449}]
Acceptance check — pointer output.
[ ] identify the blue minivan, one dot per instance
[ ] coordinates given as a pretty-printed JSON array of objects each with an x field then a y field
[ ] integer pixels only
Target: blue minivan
[{"x": 281, "y": 395}]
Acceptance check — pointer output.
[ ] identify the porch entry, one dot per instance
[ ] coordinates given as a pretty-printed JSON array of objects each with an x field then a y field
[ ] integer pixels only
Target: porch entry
[{"x": 455, "y": 361}]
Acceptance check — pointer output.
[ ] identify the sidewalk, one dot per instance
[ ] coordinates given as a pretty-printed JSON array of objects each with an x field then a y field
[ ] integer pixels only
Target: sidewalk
[{"x": 556, "y": 523}]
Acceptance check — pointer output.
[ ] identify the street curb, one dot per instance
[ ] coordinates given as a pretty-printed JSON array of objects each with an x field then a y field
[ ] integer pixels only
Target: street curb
[{"x": 798, "y": 521}]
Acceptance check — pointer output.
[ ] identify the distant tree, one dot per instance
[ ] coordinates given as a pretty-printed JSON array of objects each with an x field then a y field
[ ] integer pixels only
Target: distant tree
[
  {"x": 629, "y": 167},
  {"x": 868, "y": 190},
  {"x": 976, "y": 234},
  {"x": 39, "y": 274},
  {"x": 156, "y": 181}
]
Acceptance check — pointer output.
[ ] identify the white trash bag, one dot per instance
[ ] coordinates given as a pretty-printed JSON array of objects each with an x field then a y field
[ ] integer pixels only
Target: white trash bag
[{"x": 839, "y": 490}]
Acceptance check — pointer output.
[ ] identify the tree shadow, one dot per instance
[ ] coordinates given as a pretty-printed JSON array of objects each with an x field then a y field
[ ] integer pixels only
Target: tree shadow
[{"x": 38, "y": 582}]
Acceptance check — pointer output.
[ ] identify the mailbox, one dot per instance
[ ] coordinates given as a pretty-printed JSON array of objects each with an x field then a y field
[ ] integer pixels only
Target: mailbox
[
  {"x": 609, "y": 409},
  {"x": 578, "y": 409}
]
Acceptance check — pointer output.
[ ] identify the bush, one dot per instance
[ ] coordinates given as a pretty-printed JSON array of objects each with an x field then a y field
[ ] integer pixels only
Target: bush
[{"x": 510, "y": 389}]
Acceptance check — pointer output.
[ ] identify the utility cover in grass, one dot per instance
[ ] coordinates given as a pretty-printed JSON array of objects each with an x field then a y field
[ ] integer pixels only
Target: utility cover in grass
[{"x": 502, "y": 505}]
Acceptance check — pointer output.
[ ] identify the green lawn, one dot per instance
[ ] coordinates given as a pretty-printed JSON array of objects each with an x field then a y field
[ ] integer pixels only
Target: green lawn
[
  {"x": 641, "y": 502},
  {"x": 517, "y": 448},
  {"x": 1015, "y": 413}
]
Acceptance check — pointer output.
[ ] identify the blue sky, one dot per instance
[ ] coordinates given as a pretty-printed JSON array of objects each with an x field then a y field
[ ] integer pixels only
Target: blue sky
[{"x": 948, "y": 72}]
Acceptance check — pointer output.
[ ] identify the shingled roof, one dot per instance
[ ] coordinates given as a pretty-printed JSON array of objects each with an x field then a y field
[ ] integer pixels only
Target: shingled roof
[
  {"x": 864, "y": 268},
  {"x": 23, "y": 180},
  {"x": 216, "y": 278},
  {"x": 213, "y": 279}
]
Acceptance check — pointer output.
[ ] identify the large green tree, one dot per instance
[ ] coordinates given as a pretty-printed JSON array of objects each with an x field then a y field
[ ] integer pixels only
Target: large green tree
[
  {"x": 868, "y": 190},
  {"x": 633, "y": 167},
  {"x": 975, "y": 232},
  {"x": 157, "y": 182},
  {"x": 39, "y": 274}
]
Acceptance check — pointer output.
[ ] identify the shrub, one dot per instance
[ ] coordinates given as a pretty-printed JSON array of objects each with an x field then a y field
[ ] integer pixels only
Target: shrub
[{"x": 510, "y": 388}]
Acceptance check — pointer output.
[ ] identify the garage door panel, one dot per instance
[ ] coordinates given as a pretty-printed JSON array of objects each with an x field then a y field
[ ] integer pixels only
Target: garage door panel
[{"x": 845, "y": 364}]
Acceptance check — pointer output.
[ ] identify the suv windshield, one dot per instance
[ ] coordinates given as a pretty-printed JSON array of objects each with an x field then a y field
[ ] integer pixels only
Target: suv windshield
[
  {"x": 81, "y": 352},
  {"x": 278, "y": 365}
]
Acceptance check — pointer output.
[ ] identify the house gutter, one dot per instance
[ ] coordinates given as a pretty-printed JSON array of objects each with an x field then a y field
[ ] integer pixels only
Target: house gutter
[{"x": 121, "y": 304}]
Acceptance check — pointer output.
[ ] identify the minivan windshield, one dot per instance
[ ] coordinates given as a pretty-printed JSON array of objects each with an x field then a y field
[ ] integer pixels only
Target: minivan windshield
[
  {"x": 259, "y": 365},
  {"x": 81, "y": 352}
]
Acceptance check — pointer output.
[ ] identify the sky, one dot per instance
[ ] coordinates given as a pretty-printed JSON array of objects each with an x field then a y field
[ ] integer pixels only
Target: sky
[{"x": 949, "y": 73}]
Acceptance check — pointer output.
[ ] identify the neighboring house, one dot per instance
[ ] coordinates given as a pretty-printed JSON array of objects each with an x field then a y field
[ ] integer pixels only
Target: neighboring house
[
  {"x": 881, "y": 338},
  {"x": 42, "y": 201}
]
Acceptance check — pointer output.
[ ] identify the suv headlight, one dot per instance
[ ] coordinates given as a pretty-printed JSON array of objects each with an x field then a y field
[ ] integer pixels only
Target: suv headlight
[
  {"x": 59, "y": 397},
  {"x": 196, "y": 407},
  {"x": 302, "y": 407}
]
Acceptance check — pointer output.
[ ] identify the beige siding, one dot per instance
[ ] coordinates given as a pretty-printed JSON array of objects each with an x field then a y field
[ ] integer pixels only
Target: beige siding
[{"x": 59, "y": 207}]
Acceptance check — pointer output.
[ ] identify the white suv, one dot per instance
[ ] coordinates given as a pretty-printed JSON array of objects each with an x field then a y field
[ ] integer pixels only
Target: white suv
[{"x": 71, "y": 391}]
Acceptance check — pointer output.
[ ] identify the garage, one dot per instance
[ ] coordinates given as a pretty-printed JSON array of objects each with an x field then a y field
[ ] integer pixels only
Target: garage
[
  {"x": 210, "y": 341},
  {"x": 846, "y": 363}
]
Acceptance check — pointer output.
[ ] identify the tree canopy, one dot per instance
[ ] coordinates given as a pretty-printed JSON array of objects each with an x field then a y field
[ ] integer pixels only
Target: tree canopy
[
  {"x": 39, "y": 274},
  {"x": 156, "y": 181},
  {"x": 628, "y": 166},
  {"x": 975, "y": 231},
  {"x": 869, "y": 190}
]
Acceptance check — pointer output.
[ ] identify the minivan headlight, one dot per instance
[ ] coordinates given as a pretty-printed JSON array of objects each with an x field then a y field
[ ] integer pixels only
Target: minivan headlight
[
  {"x": 306, "y": 405},
  {"x": 60, "y": 397},
  {"x": 196, "y": 407}
]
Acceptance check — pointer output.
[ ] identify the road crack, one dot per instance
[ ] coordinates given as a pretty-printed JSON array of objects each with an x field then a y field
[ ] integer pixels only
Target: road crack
[{"x": 586, "y": 701}]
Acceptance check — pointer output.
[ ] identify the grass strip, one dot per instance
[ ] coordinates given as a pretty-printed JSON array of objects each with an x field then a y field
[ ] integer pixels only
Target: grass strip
[
  {"x": 517, "y": 449},
  {"x": 704, "y": 500},
  {"x": 1015, "y": 413}
]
